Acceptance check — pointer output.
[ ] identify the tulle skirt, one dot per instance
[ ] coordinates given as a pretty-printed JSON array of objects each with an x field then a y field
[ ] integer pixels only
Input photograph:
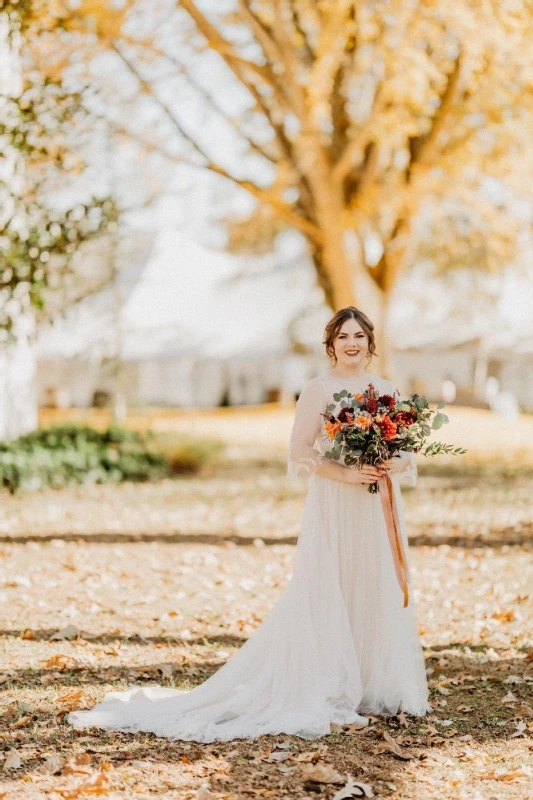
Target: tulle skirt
[{"x": 336, "y": 644}]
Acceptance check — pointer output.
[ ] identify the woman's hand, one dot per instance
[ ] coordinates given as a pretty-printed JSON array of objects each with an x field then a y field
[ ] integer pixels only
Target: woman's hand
[
  {"x": 394, "y": 464},
  {"x": 366, "y": 475}
]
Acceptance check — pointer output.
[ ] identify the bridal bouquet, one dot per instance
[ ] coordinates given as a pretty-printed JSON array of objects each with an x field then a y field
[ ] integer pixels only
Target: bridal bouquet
[{"x": 369, "y": 428}]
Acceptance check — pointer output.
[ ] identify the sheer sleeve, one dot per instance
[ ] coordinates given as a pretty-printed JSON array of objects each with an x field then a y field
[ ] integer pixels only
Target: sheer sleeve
[
  {"x": 303, "y": 458},
  {"x": 406, "y": 469}
]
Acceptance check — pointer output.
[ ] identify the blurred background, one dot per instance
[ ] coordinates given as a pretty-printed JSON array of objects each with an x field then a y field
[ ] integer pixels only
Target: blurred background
[{"x": 189, "y": 191}]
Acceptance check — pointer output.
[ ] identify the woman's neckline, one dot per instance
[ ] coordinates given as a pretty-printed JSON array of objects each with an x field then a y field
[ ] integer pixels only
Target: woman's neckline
[{"x": 365, "y": 379}]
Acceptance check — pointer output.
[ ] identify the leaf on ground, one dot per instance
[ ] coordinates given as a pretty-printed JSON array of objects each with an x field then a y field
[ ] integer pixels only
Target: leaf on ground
[
  {"x": 23, "y": 721},
  {"x": 524, "y": 710},
  {"x": 513, "y": 679},
  {"x": 402, "y": 719},
  {"x": 505, "y": 616},
  {"x": 520, "y": 730},
  {"x": 204, "y": 793},
  {"x": 321, "y": 773},
  {"x": 354, "y": 789},
  {"x": 285, "y": 745},
  {"x": 61, "y": 662},
  {"x": 509, "y": 698},
  {"x": 12, "y": 761},
  {"x": 78, "y": 763},
  {"x": 390, "y": 745},
  {"x": 354, "y": 727},
  {"x": 473, "y": 756},
  {"x": 69, "y": 633},
  {"x": 53, "y": 765},
  {"x": 98, "y": 784},
  {"x": 280, "y": 756},
  {"x": 512, "y": 775},
  {"x": 71, "y": 700},
  {"x": 312, "y": 756}
]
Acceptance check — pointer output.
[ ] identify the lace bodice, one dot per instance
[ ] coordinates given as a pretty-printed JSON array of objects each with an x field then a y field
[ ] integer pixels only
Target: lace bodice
[{"x": 304, "y": 455}]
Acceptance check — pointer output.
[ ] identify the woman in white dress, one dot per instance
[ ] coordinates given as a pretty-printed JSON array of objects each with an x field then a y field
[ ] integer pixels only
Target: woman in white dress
[{"x": 338, "y": 642}]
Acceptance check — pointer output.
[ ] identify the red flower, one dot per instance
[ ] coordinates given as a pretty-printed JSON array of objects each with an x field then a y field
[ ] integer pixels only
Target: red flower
[
  {"x": 372, "y": 405},
  {"x": 346, "y": 415},
  {"x": 387, "y": 400},
  {"x": 387, "y": 427},
  {"x": 404, "y": 418}
]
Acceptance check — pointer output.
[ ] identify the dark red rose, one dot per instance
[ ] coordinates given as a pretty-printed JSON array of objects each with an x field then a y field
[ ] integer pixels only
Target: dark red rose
[{"x": 346, "y": 415}]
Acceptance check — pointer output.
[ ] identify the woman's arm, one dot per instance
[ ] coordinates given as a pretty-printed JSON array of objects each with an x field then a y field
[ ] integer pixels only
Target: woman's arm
[{"x": 302, "y": 458}]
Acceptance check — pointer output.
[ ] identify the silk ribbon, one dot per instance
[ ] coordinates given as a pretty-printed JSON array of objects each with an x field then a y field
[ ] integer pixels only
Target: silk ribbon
[{"x": 390, "y": 512}]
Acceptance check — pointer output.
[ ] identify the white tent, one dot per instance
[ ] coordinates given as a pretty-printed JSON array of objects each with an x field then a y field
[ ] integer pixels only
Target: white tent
[{"x": 188, "y": 326}]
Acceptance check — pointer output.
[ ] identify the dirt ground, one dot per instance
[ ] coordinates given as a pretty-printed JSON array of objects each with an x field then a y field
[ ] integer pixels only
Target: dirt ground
[{"x": 161, "y": 583}]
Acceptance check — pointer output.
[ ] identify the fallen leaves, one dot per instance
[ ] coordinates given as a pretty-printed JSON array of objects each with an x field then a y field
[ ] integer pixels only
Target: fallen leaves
[
  {"x": 13, "y": 761},
  {"x": 390, "y": 745},
  {"x": 71, "y": 701},
  {"x": 520, "y": 730},
  {"x": 53, "y": 765},
  {"x": 354, "y": 789},
  {"x": 508, "y": 776},
  {"x": 68, "y": 633},
  {"x": 148, "y": 623},
  {"x": 320, "y": 773},
  {"x": 60, "y": 661},
  {"x": 505, "y": 616},
  {"x": 97, "y": 785}
]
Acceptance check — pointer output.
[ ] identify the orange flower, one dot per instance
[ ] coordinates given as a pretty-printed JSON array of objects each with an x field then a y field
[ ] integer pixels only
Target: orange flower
[
  {"x": 359, "y": 397},
  {"x": 388, "y": 427},
  {"x": 363, "y": 422},
  {"x": 332, "y": 428}
]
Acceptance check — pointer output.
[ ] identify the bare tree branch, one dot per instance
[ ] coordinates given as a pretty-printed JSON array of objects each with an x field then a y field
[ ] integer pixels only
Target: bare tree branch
[
  {"x": 356, "y": 146},
  {"x": 285, "y": 210},
  {"x": 423, "y": 147},
  {"x": 255, "y": 147},
  {"x": 225, "y": 49}
]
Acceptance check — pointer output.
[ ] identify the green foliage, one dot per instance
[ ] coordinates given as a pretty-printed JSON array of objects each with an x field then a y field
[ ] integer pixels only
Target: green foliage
[
  {"x": 438, "y": 448},
  {"x": 38, "y": 130},
  {"x": 70, "y": 454}
]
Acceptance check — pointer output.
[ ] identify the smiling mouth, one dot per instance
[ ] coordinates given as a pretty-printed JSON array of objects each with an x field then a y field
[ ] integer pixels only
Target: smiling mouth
[{"x": 352, "y": 352}]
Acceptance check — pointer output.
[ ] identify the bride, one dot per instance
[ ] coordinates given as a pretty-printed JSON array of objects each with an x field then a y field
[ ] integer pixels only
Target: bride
[{"x": 338, "y": 643}]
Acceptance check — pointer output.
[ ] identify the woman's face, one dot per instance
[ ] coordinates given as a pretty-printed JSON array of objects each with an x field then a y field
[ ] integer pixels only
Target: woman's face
[{"x": 351, "y": 344}]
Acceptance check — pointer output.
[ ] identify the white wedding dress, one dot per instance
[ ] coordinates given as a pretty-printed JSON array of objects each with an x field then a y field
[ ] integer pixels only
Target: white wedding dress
[{"x": 336, "y": 644}]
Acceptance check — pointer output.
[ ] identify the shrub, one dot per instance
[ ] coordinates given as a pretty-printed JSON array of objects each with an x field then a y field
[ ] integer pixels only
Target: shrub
[{"x": 71, "y": 454}]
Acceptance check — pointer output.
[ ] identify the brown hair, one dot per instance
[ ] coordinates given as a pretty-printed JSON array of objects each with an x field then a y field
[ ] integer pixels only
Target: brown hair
[{"x": 337, "y": 321}]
